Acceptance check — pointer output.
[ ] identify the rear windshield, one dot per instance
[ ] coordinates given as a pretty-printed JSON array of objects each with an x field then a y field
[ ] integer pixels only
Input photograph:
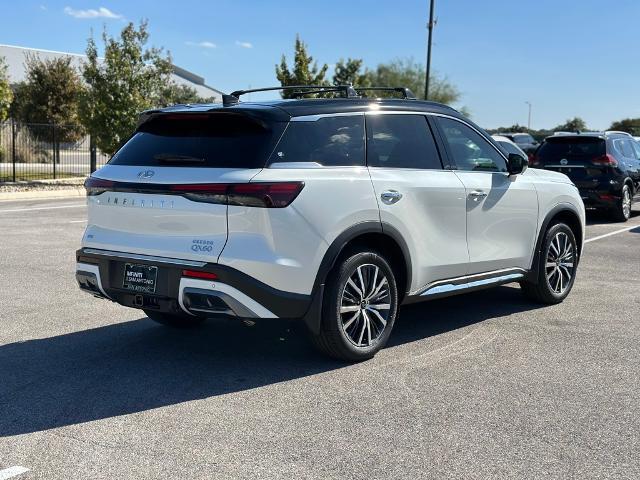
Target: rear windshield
[
  {"x": 523, "y": 139},
  {"x": 200, "y": 140},
  {"x": 571, "y": 148}
]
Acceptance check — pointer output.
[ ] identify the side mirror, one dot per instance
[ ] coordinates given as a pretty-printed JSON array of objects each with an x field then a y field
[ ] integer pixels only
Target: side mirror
[{"x": 517, "y": 164}]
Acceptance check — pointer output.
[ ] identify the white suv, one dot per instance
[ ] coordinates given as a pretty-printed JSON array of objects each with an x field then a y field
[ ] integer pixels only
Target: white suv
[{"x": 335, "y": 211}]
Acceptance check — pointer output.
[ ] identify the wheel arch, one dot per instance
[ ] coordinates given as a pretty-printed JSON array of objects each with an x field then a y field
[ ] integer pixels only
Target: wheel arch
[
  {"x": 567, "y": 213},
  {"x": 376, "y": 235}
]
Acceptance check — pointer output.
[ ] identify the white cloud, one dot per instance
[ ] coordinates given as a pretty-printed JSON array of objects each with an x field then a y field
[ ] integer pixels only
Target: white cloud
[
  {"x": 101, "y": 12},
  {"x": 244, "y": 44},
  {"x": 204, "y": 44}
]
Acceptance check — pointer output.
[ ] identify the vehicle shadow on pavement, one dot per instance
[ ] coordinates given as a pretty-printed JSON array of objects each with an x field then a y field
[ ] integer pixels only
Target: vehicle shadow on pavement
[
  {"x": 137, "y": 365},
  {"x": 602, "y": 218}
]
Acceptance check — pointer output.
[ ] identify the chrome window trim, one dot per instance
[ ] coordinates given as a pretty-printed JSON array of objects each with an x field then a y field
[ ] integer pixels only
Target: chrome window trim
[
  {"x": 315, "y": 118},
  {"x": 436, "y": 114},
  {"x": 147, "y": 258}
]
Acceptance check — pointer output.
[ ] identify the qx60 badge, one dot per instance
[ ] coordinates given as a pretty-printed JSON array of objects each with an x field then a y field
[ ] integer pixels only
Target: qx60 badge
[{"x": 145, "y": 174}]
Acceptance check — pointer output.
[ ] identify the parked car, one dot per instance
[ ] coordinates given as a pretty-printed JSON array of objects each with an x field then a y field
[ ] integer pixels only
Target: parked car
[
  {"x": 334, "y": 210},
  {"x": 525, "y": 141},
  {"x": 605, "y": 166},
  {"x": 509, "y": 146}
]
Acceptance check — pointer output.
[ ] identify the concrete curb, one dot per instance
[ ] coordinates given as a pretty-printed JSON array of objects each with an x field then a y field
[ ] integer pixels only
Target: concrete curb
[{"x": 42, "y": 194}]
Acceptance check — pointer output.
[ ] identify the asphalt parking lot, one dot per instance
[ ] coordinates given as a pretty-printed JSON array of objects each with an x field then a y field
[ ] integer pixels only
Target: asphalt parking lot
[{"x": 480, "y": 386}]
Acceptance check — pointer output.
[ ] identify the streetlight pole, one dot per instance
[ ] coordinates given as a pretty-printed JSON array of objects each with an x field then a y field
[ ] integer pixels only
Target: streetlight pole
[
  {"x": 529, "y": 121},
  {"x": 430, "y": 27}
]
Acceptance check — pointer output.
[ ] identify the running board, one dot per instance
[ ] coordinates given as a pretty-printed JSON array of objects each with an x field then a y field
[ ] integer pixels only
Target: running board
[{"x": 452, "y": 286}]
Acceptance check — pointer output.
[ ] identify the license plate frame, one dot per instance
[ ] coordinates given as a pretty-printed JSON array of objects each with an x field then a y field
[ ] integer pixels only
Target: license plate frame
[{"x": 140, "y": 278}]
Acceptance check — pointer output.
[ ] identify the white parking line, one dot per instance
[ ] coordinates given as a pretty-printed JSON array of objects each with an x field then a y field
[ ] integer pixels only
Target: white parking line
[
  {"x": 41, "y": 208},
  {"x": 622, "y": 230},
  {"x": 77, "y": 221},
  {"x": 12, "y": 472}
]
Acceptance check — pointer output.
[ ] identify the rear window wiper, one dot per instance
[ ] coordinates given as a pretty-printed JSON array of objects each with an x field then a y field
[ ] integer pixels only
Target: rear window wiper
[{"x": 175, "y": 158}]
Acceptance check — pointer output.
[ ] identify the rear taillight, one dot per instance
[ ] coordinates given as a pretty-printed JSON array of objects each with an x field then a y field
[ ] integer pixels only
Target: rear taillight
[
  {"x": 201, "y": 275},
  {"x": 259, "y": 194},
  {"x": 266, "y": 195},
  {"x": 263, "y": 195},
  {"x": 96, "y": 186},
  {"x": 605, "y": 160},
  {"x": 533, "y": 160}
]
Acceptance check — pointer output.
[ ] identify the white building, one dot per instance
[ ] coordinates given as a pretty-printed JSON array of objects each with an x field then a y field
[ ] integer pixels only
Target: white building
[{"x": 15, "y": 59}]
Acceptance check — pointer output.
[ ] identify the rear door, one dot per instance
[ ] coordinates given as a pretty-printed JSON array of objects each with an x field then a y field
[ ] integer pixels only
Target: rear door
[
  {"x": 502, "y": 210},
  {"x": 417, "y": 196},
  {"x": 162, "y": 193},
  {"x": 626, "y": 152}
]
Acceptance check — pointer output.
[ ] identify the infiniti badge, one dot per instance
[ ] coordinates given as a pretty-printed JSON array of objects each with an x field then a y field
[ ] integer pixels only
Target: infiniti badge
[
  {"x": 146, "y": 174},
  {"x": 564, "y": 161}
]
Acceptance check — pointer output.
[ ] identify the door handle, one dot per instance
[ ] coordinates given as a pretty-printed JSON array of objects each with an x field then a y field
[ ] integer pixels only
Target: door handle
[
  {"x": 477, "y": 195},
  {"x": 390, "y": 197}
]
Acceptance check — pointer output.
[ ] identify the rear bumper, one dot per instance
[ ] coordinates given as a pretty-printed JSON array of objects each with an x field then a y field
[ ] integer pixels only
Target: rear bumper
[
  {"x": 599, "y": 198},
  {"x": 233, "y": 293}
]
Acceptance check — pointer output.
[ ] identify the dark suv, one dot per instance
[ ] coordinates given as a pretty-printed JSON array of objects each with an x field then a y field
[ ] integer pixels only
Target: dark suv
[{"x": 604, "y": 166}]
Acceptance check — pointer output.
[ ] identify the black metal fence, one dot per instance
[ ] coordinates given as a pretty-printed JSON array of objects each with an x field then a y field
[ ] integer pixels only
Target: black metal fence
[{"x": 30, "y": 151}]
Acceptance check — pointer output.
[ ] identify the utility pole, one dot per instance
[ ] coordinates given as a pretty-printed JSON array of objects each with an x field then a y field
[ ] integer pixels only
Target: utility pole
[
  {"x": 529, "y": 121},
  {"x": 430, "y": 27}
]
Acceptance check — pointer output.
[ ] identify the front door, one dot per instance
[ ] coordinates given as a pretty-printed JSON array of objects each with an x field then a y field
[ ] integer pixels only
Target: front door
[{"x": 502, "y": 209}]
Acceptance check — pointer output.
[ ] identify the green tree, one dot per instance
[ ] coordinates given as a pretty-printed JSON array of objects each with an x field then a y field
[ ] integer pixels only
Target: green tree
[
  {"x": 50, "y": 94},
  {"x": 174, "y": 93},
  {"x": 629, "y": 125},
  {"x": 348, "y": 73},
  {"x": 305, "y": 70},
  {"x": 405, "y": 72},
  {"x": 515, "y": 128},
  {"x": 129, "y": 80},
  {"x": 6, "y": 94},
  {"x": 575, "y": 124}
]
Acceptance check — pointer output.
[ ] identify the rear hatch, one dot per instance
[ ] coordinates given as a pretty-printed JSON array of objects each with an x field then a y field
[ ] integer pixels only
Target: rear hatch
[
  {"x": 583, "y": 159},
  {"x": 164, "y": 193}
]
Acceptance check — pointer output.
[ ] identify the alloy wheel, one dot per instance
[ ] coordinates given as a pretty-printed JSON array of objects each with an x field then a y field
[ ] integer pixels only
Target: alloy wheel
[
  {"x": 365, "y": 305},
  {"x": 626, "y": 203},
  {"x": 560, "y": 263}
]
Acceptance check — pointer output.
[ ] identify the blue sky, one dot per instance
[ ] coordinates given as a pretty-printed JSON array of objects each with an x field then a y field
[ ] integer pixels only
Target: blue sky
[{"x": 567, "y": 57}]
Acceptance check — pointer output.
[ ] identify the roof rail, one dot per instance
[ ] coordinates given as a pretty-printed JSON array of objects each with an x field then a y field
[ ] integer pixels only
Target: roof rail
[
  {"x": 347, "y": 91},
  {"x": 617, "y": 132},
  {"x": 406, "y": 93}
]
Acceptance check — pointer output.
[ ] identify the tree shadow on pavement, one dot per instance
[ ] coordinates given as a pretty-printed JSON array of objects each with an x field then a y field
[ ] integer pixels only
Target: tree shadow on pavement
[{"x": 137, "y": 365}]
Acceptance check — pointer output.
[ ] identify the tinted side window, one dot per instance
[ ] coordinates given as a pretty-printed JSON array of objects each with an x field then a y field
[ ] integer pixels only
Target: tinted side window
[
  {"x": 623, "y": 146},
  {"x": 469, "y": 149},
  {"x": 330, "y": 141},
  {"x": 401, "y": 141}
]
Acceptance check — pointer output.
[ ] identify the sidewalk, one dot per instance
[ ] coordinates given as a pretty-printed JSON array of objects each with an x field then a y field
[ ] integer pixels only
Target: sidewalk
[{"x": 42, "y": 189}]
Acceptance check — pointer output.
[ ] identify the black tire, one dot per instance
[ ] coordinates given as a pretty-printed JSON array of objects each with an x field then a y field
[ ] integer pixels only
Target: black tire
[
  {"x": 545, "y": 290},
  {"x": 370, "y": 329},
  {"x": 175, "y": 321},
  {"x": 622, "y": 211}
]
